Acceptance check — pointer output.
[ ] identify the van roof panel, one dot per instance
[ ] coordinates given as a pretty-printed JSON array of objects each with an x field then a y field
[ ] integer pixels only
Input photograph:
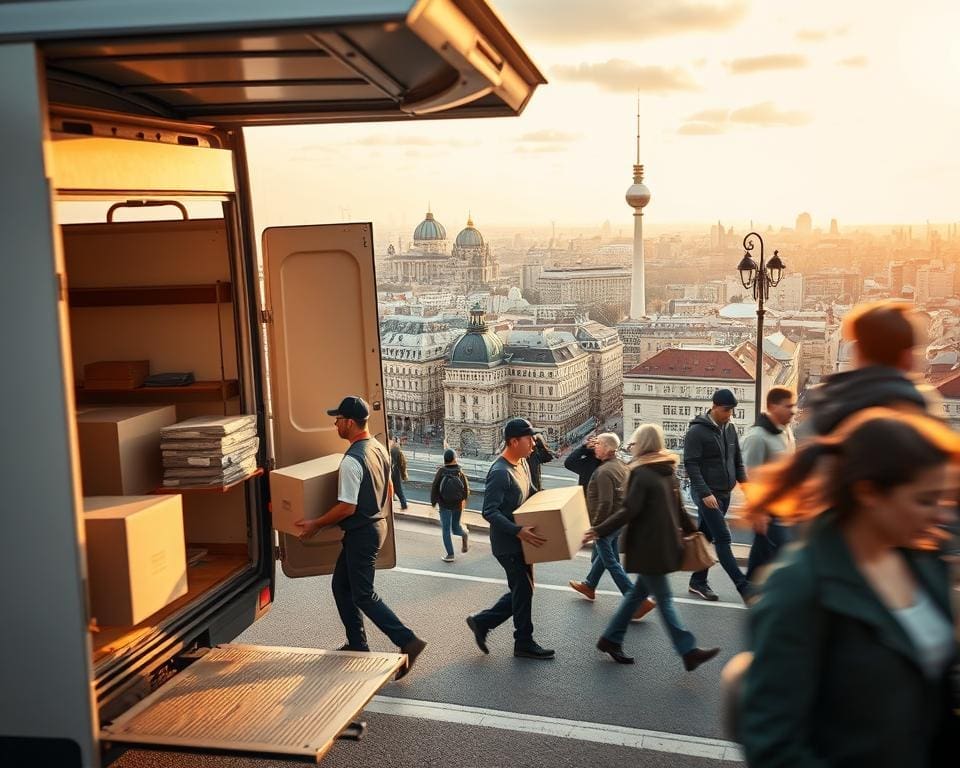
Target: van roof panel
[{"x": 255, "y": 63}]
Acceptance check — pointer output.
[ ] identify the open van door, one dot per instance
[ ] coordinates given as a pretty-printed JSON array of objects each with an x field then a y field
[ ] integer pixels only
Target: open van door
[{"x": 323, "y": 344}]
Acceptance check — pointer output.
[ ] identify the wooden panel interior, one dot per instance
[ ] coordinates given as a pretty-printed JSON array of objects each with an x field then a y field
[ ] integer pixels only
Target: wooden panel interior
[{"x": 181, "y": 337}]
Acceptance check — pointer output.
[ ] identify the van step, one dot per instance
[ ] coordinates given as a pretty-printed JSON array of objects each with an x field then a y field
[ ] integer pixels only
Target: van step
[{"x": 262, "y": 700}]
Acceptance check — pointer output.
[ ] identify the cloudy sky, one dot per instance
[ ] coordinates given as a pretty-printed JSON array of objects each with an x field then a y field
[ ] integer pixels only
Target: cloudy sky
[{"x": 749, "y": 110}]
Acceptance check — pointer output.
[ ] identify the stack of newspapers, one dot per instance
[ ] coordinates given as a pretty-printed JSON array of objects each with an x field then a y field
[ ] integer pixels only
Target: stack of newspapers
[{"x": 209, "y": 451}]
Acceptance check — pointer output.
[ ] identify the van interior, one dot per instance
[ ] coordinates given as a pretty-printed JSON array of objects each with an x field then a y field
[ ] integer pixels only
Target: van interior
[{"x": 163, "y": 291}]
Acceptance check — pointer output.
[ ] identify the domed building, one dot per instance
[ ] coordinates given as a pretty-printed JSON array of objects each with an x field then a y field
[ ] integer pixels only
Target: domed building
[
  {"x": 472, "y": 264},
  {"x": 540, "y": 374},
  {"x": 426, "y": 261},
  {"x": 430, "y": 236},
  {"x": 469, "y": 266},
  {"x": 476, "y": 388}
]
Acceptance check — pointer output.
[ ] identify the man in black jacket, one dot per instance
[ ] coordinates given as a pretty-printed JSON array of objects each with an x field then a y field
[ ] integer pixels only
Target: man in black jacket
[
  {"x": 583, "y": 462},
  {"x": 541, "y": 455},
  {"x": 711, "y": 455}
]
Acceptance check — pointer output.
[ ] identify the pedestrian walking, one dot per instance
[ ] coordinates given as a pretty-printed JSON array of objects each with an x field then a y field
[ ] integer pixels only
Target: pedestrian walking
[
  {"x": 885, "y": 336},
  {"x": 450, "y": 491},
  {"x": 541, "y": 455},
  {"x": 604, "y": 497},
  {"x": 362, "y": 494},
  {"x": 853, "y": 636},
  {"x": 711, "y": 456},
  {"x": 583, "y": 461},
  {"x": 507, "y": 486},
  {"x": 398, "y": 472},
  {"x": 654, "y": 517},
  {"x": 769, "y": 439}
]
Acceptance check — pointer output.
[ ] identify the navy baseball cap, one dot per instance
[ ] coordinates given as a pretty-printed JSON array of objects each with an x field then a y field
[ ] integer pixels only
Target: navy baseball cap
[
  {"x": 519, "y": 428},
  {"x": 725, "y": 398},
  {"x": 355, "y": 408}
]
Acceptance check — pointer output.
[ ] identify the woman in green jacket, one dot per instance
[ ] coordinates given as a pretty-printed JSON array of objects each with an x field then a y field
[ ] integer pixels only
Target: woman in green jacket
[{"x": 853, "y": 635}]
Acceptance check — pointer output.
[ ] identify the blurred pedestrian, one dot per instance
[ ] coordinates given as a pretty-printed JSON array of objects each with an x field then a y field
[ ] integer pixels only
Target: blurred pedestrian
[
  {"x": 853, "y": 634},
  {"x": 450, "y": 491},
  {"x": 541, "y": 455},
  {"x": 507, "y": 486},
  {"x": 398, "y": 472},
  {"x": 604, "y": 498},
  {"x": 711, "y": 456},
  {"x": 768, "y": 439},
  {"x": 583, "y": 461},
  {"x": 654, "y": 517},
  {"x": 885, "y": 336}
]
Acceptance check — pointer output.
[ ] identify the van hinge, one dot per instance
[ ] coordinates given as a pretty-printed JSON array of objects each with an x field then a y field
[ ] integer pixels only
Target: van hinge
[
  {"x": 266, "y": 316},
  {"x": 271, "y": 464},
  {"x": 276, "y": 552},
  {"x": 60, "y": 286}
]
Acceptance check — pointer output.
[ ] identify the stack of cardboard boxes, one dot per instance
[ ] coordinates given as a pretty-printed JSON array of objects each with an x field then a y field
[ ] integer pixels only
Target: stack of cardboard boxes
[
  {"x": 209, "y": 451},
  {"x": 136, "y": 554}
]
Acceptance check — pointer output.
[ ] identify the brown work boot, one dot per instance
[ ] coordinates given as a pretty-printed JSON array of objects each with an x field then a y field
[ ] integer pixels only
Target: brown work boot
[
  {"x": 645, "y": 607},
  {"x": 413, "y": 649},
  {"x": 588, "y": 592}
]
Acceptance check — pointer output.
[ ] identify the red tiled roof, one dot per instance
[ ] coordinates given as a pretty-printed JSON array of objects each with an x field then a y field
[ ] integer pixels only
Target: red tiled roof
[
  {"x": 950, "y": 386},
  {"x": 693, "y": 364}
]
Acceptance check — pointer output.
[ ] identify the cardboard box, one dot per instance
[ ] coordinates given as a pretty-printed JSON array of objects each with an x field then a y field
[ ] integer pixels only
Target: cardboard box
[
  {"x": 136, "y": 556},
  {"x": 115, "y": 374},
  {"x": 120, "y": 449},
  {"x": 305, "y": 491},
  {"x": 560, "y": 516}
]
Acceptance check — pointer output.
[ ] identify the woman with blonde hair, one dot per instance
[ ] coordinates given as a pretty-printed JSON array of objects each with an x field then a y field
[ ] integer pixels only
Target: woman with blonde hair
[
  {"x": 853, "y": 636},
  {"x": 653, "y": 516}
]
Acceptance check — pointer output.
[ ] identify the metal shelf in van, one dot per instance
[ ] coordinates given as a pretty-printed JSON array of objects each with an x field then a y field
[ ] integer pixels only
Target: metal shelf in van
[{"x": 259, "y": 699}]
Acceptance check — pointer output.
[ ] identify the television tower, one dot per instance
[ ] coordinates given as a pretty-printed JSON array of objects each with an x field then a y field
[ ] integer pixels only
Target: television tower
[{"x": 637, "y": 198}]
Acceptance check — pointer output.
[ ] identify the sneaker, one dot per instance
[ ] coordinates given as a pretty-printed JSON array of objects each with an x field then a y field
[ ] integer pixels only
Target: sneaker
[
  {"x": 479, "y": 634},
  {"x": 615, "y": 650},
  {"x": 348, "y": 647},
  {"x": 533, "y": 650},
  {"x": 587, "y": 591},
  {"x": 447, "y": 558},
  {"x": 696, "y": 657},
  {"x": 413, "y": 649},
  {"x": 465, "y": 540},
  {"x": 704, "y": 591},
  {"x": 645, "y": 607}
]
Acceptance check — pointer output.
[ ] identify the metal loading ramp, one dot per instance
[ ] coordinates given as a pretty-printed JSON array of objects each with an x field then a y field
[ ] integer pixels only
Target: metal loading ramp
[{"x": 245, "y": 698}]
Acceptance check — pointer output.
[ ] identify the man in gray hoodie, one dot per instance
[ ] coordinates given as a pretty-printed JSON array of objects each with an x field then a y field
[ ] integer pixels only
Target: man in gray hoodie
[{"x": 766, "y": 441}]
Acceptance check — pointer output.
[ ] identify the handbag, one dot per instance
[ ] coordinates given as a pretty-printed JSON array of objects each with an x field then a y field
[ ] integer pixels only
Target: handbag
[{"x": 698, "y": 553}]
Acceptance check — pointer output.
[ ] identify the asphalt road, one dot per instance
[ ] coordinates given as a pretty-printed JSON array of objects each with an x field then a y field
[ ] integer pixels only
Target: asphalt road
[{"x": 581, "y": 686}]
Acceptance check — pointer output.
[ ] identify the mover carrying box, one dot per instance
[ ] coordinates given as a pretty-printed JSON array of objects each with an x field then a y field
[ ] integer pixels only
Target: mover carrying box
[
  {"x": 560, "y": 516},
  {"x": 136, "y": 556},
  {"x": 305, "y": 491},
  {"x": 120, "y": 449}
]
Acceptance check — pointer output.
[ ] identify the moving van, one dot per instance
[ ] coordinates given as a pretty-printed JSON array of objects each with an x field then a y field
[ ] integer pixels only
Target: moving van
[{"x": 111, "y": 111}]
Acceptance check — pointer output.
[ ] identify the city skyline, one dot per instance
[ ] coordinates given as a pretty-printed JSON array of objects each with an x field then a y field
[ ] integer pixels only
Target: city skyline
[{"x": 749, "y": 111}]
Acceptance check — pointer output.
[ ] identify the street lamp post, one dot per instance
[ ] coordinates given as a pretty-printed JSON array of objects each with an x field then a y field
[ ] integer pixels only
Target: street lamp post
[{"x": 760, "y": 278}]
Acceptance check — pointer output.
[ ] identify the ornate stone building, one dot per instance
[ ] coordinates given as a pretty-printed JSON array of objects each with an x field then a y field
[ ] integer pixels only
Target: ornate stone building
[
  {"x": 469, "y": 266},
  {"x": 542, "y": 375},
  {"x": 476, "y": 387},
  {"x": 414, "y": 352}
]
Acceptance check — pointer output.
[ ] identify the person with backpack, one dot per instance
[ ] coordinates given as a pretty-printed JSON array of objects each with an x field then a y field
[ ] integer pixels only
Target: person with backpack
[{"x": 450, "y": 491}]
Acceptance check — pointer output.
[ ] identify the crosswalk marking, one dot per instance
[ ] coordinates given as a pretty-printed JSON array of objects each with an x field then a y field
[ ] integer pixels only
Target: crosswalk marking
[
  {"x": 601, "y": 733},
  {"x": 556, "y": 587}
]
